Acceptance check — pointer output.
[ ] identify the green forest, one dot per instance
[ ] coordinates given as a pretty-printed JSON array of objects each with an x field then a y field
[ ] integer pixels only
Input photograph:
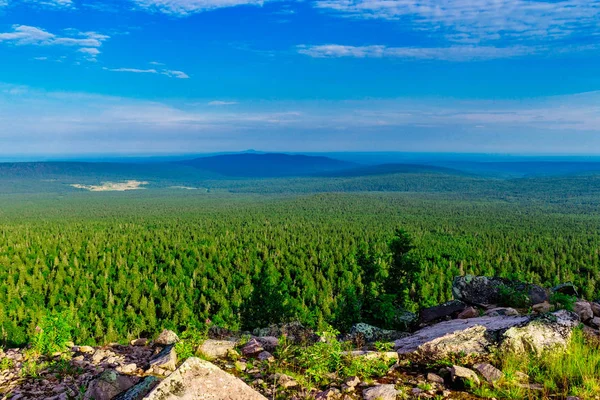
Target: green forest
[{"x": 126, "y": 265}]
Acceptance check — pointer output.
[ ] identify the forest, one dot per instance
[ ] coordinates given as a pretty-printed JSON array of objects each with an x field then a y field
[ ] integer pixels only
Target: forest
[{"x": 126, "y": 265}]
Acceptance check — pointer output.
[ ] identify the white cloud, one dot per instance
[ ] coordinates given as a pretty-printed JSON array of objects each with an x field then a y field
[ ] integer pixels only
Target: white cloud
[
  {"x": 477, "y": 21},
  {"x": 166, "y": 72},
  {"x": 452, "y": 53},
  {"x": 222, "y": 103},
  {"x": 92, "y": 51},
  {"x": 23, "y": 35},
  {"x": 52, "y": 3},
  {"x": 133, "y": 70},
  {"x": 183, "y": 8},
  {"x": 175, "y": 74},
  {"x": 33, "y": 120}
]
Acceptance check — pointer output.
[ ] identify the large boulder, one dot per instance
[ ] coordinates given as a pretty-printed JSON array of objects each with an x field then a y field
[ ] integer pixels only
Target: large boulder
[
  {"x": 108, "y": 385},
  {"x": 372, "y": 333},
  {"x": 482, "y": 290},
  {"x": 212, "y": 349},
  {"x": 166, "y": 338},
  {"x": 381, "y": 392},
  {"x": 480, "y": 336},
  {"x": 451, "y": 308},
  {"x": 549, "y": 332},
  {"x": 166, "y": 359},
  {"x": 197, "y": 379},
  {"x": 293, "y": 331}
]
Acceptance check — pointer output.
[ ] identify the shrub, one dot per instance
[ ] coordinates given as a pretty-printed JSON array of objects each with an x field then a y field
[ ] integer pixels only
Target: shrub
[
  {"x": 511, "y": 297},
  {"x": 563, "y": 301},
  {"x": 190, "y": 341},
  {"x": 6, "y": 363},
  {"x": 52, "y": 334}
]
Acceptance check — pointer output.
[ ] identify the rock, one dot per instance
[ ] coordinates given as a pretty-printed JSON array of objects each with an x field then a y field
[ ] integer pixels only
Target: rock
[
  {"x": 268, "y": 343},
  {"x": 372, "y": 355},
  {"x": 285, "y": 381},
  {"x": 501, "y": 311},
  {"x": 584, "y": 310},
  {"x": 381, "y": 392},
  {"x": 352, "y": 381},
  {"x": 463, "y": 377},
  {"x": 595, "y": 309},
  {"x": 167, "y": 338},
  {"x": 479, "y": 336},
  {"x": 469, "y": 312},
  {"x": 108, "y": 385},
  {"x": 521, "y": 376},
  {"x": 566, "y": 288},
  {"x": 472, "y": 336},
  {"x": 488, "y": 371},
  {"x": 127, "y": 369},
  {"x": 332, "y": 393},
  {"x": 548, "y": 332},
  {"x": 293, "y": 331},
  {"x": 594, "y": 322},
  {"x": 101, "y": 354},
  {"x": 266, "y": 356},
  {"x": 85, "y": 349},
  {"x": 166, "y": 359},
  {"x": 197, "y": 379},
  {"x": 481, "y": 290},
  {"x": 139, "y": 342},
  {"x": 138, "y": 391},
  {"x": 404, "y": 319},
  {"x": 216, "y": 348},
  {"x": 240, "y": 366},
  {"x": 542, "y": 308},
  {"x": 372, "y": 333},
  {"x": 252, "y": 348},
  {"x": 430, "y": 314},
  {"x": 431, "y": 377}
]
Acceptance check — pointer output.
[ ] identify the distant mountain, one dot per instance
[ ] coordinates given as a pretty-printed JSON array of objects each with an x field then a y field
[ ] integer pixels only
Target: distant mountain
[
  {"x": 271, "y": 165},
  {"x": 389, "y": 169}
]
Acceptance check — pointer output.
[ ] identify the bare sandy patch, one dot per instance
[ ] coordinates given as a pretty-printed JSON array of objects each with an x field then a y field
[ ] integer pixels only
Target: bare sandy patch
[{"x": 112, "y": 186}]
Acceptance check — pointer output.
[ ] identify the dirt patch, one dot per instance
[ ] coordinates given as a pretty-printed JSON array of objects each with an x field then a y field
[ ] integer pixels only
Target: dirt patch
[{"x": 112, "y": 186}]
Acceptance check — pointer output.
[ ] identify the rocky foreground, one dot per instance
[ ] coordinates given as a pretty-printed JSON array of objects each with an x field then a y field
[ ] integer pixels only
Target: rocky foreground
[{"x": 449, "y": 351}]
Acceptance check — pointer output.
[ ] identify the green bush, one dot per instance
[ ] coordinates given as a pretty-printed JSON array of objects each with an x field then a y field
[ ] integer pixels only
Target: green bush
[
  {"x": 511, "y": 297},
  {"x": 52, "y": 334},
  {"x": 563, "y": 301},
  {"x": 189, "y": 342}
]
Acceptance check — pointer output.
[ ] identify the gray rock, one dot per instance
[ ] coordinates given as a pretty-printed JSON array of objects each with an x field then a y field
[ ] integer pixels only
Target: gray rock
[
  {"x": 542, "y": 308},
  {"x": 549, "y": 332},
  {"x": 373, "y": 355},
  {"x": 216, "y": 348},
  {"x": 166, "y": 359},
  {"x": 197, "y": 379},
  {"x": 252, "y": 348},
  {"x": 471, "y": 336},
  {"x": 381, "y": 392},
  {"x": 441, "y": 311},
  {"x": 481, "y": 290},
  {"x": 265, "y": 356},
  {"x": 463, "y": 377},
  {"x": 502, "y": 311},
  {"x": 595, "y": 309},
  {"x": 480, "y": 336},
  {"x": 269, "y": 343},
  {"x": 435, "y": 378},
  {"x": 167, "y": 338},
  {"x": 584, "y": 310},
  {"x": 373, "y": 334},
  {"x": 469, "y": 312},
  {"x": 294, "y": 332},
  {"x": 594, "y": 322},
  {"x": 566, "y": 288},
  {"x": 488, "y": 371},
  {"x": 108, "y": 385},
  {"x": 331, "y": 393},
  {"x": 138, "y": 391}
]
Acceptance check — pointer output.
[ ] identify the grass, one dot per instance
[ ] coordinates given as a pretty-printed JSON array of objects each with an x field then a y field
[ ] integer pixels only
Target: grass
[
  {"x": 326, "y": 361},
  {"x": 575, "y": 372}
]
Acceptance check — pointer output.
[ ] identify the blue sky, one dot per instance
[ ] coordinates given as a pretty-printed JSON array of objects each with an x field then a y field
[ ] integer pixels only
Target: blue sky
[{"x": 187, "y": 76}]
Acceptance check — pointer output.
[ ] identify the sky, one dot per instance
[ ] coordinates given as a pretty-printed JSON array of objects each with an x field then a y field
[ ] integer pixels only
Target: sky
[{"x": 190, "y": 76}]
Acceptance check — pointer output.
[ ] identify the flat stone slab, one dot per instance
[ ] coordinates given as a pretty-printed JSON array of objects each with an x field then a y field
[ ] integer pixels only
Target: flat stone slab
[
  {"x": 459, "y": 335},
  {"x": 197, "y": 379}
]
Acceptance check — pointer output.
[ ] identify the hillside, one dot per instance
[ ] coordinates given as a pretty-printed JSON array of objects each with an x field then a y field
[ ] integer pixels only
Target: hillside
[{"x": 251, "y": 165}]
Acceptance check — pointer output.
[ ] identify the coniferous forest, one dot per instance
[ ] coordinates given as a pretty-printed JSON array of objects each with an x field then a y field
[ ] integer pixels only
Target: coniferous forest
[{"x": 124, "y": 265}]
